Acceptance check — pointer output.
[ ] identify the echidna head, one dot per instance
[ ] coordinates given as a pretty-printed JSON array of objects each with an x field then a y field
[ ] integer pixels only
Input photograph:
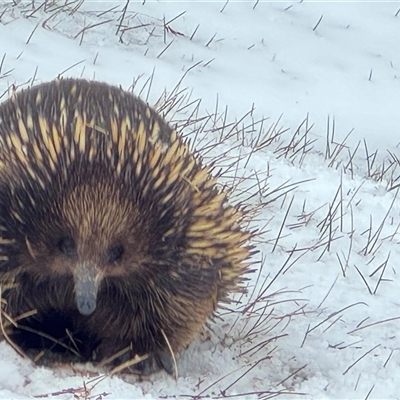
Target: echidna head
[
  {"x": 92, "y": 231},
  {"x": 98, "y": 240}
]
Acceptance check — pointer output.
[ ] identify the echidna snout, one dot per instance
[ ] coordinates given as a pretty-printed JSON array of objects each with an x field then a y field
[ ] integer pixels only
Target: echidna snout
[{"x": 86, "y": 279}]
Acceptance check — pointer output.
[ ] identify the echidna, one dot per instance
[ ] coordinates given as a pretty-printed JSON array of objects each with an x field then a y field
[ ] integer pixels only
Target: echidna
[{"x": 113, "y": 235}]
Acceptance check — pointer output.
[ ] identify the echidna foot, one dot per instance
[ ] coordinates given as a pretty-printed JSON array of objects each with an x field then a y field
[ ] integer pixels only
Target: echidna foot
[{"x": 155, "y": 362}]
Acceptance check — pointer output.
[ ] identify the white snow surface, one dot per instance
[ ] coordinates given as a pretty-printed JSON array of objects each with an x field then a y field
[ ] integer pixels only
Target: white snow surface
[{"x": 321, "y": 316}]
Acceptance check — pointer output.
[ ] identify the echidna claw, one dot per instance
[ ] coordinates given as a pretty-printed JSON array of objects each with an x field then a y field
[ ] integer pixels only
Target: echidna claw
[{"x": 164, "y": 360}]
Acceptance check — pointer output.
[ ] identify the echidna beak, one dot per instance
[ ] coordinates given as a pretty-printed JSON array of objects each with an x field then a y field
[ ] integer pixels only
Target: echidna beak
[{"x": 86, "y": 288}]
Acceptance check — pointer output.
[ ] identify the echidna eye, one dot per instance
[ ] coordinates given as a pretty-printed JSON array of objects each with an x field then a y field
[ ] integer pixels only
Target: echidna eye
[
  {"x": 115, "y": 254},
  {"x": 67, "y": 246}
]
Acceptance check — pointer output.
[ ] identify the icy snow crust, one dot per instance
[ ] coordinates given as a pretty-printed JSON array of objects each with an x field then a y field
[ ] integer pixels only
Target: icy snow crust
[{"x": 281, "y": 84}]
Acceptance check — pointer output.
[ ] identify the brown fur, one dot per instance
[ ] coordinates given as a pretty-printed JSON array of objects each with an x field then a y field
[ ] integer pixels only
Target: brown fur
[{"x": 100, "y": 198}]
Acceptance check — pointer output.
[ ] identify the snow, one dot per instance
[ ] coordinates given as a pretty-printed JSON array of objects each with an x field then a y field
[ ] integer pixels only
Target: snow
[{"x": 326, "y": 315}]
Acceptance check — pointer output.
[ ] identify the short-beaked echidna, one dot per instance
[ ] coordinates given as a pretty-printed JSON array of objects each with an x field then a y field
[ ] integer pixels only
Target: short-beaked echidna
[{"x": 112, "y": 233}]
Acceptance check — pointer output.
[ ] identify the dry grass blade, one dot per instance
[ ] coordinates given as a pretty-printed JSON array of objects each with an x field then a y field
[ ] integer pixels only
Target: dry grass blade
[
  {"x": 30, "y": 36},
  {"x": 194, "y": 32},
  {"x": 350, "y": 166},
  {"x": 223, "y": 8},
  {"x": 299, "y": 144},
  {"x": 393, "y": 180},
  {"x": 292, "y": 374},
  {"x": 370, "y": 159},
  {"x": 282, "y": 224},
  {"x": 326, "y": 224},
  {"x": 2, "y": 62},
  {"x": 329, "y": 291},
  {"x": 282, "y": 190},
  {"x": 359, "y": 328},
  {"x": 137, "y": 359},
  {"x": 319, "y": 21},
  {"x": 166, "y": 48},
  {"x": 172, "y": 354},
  {"x": 328, "y": 318},
  {"x": 86, "y": 28},
  {"x": 360, "y": 358},
  {"x": 369, "y": 392},
  {"x": 2, "y": 327},
  {"x": 72, "y": 66},
  {"x": 115, "y": 356},
  {"x": 121, "y": 19},
  {"x": 373, "y": 238},
  {"x": 383, "y": 268},
  {"x": 333, "y": 154},
  {"x": 389, "y": 357},
  {"x": 213, "y": 37},
  {"x": 363, "y": 278}
]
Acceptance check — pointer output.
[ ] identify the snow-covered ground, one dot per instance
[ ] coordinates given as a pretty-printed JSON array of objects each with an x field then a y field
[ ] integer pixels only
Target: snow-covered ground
[{"x": 271, "y": 91}]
